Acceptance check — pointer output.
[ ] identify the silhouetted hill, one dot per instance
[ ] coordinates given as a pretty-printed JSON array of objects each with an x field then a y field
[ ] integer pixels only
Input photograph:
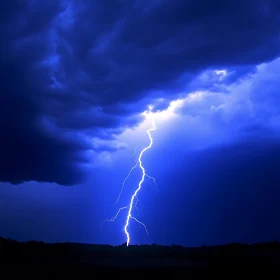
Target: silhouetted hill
[{"x": 87, "y": 259}]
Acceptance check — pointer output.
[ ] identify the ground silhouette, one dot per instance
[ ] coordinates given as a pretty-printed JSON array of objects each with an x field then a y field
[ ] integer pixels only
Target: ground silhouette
[{"x": 39, "y": 260}]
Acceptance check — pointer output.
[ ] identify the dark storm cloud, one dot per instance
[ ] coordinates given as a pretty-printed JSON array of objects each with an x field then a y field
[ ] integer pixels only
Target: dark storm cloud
[
  {"x": 120, "y": 52},
  {"x": 27, "y": 151},
  {"x": 83, "y": 68}
]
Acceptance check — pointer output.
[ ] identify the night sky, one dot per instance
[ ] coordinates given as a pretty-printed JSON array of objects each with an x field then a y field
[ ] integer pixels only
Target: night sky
[{"x": 76, "y": 77}]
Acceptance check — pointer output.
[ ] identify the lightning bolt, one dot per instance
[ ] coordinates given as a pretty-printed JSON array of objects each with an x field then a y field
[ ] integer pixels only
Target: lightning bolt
[
  {"x": 135, "y": 151},
  {"x": 139, "y": 185},
  {"x": 126, "y": 178},
  {"x": 154, "y": 180},
  {"x": 134, "y": 198},
  {"x": 119, "y": 196},
  {"x": 140, "y": 224},
  {"x": 115, "y": 217}
]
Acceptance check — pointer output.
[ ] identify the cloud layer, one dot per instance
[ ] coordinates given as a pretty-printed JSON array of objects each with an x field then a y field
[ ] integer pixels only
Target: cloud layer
[{"x": 75, "y": 70}]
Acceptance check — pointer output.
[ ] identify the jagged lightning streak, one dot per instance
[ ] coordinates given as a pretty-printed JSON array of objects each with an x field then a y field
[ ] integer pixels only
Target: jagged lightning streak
[
  {"x": 134, "y": 197},
  {"x": 140, "y": 224},
  {"x": 115, "y": 217},
  {"x": 135, "y": 151},
  {"x": 154, "y": 180},
  {"x": 119, "y": 196},
  {"x": 126, "y": 178},
  {"x": 129, "y": 216},
  {"x": 119, "y": 211}
]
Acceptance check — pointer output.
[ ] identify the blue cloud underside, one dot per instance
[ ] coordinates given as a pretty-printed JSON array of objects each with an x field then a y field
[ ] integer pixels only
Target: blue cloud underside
[{"x": 84, "y": 69}]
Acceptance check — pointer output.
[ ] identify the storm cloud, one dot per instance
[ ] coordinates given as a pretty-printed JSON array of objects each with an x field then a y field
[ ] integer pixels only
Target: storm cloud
[{"x": 75, "y": 70}]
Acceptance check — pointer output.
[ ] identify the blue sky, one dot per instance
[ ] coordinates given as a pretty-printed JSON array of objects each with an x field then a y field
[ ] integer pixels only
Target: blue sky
[{"x": 78, "y": 77}]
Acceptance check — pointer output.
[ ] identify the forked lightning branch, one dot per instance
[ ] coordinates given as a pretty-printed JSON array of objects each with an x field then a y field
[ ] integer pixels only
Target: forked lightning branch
[{"x": 133, "y": 199}]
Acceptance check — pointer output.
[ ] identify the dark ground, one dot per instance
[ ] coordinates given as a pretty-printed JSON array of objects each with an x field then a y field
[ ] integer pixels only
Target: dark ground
[{"x": 38, "y": 260}]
